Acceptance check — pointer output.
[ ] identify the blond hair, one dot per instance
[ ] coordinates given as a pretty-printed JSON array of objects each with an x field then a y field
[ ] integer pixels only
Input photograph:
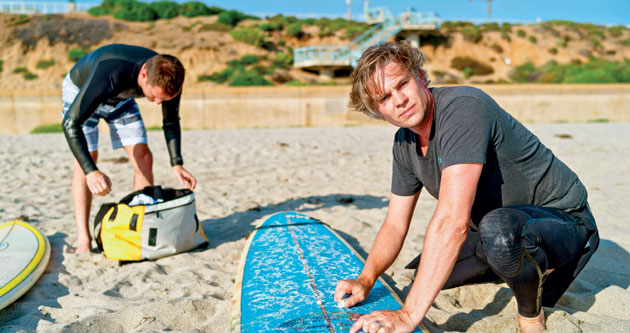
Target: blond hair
[{"x": 376, "y": 57}]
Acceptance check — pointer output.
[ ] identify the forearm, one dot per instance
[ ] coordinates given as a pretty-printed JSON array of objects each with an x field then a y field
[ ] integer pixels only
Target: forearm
[
  {"x": 439, "y": 254},
  {"x": 78, "y": 145},
  {"x": 385, "y": 249},
  {"x": 172, "y": 130}
]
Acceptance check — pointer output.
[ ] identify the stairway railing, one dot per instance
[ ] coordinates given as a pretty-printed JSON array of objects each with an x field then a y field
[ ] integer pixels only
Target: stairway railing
[{"x": 348, "y": 55}]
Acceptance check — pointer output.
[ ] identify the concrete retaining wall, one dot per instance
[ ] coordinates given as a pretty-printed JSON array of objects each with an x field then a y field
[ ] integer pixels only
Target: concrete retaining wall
[{"x": 22, "y": 111}]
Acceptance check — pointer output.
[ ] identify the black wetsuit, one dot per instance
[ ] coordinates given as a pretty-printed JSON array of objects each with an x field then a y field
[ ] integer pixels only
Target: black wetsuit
[{"x": 109, "y": 75}]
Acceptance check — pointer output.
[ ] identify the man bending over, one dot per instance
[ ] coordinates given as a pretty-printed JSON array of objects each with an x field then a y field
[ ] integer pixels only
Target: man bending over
[{"x": 103, "y": 85}]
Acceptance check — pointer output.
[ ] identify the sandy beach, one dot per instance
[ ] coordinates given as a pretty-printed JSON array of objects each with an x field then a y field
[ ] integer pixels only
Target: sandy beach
[{"x": 339, "y": 175}]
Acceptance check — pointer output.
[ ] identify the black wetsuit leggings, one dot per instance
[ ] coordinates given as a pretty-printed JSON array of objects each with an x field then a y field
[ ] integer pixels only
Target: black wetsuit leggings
[{"x": 519, "y": 244}]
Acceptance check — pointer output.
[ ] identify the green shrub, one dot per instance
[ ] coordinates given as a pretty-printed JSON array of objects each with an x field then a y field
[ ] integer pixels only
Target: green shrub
[
  {"x": 249, "y": 78},
  {"x": 355, "y": 31},
  {"x": 194, "y": 9},
  {"x": 522, "y": 73},
  {"x": 282, "y": 60},
  {"x": 45, "y": 64},
  {"x": 76, "y": 53},
  {"x": 29, "y": 76},
  {"x": 561, "y": 42},
  {"x": 214, "y": 77},
  {"x": 283, "y": 19},
  {"x": 472, "y": 34},
  {"x": 1, "y": 63},
  {"x": 595, "y": 43},
  {"x": 625, "y": 42},
  {"x": 232, "y": 17},
  {"x": 138, "y": 12},
  {"x": 616, "y": 31},
  {"x": 595, "y": 71},
  {"x": 521, "y": 33},
  {"x": 589, "y": 76},
  {"x": 295, "y": 30},
  {"x": 165, "y": 9},
  {"x": 271, "y": 26},
  {"x": 467, "y": 72},
  {"x": 532, "y": 39},
  {"x": 220, "y": 27},
  {"x": 250, "y": 35},
  {"x": 475, "y": 67},
  {"x": 453, "y": 26},
  {"x": 493, "y": 26},
  {"x": 19, "y": 70},
  {"x": 214, "y": 10},
  {"x": 99, "y": 11},
  {"x": 19, "y": 20},
  {"x": 108, "y": 7},
  {"x": 50, "y": 128},
  {"x": 249, "y": 59},
  {"x": 496, "y": 47},
  {"x": 262, "y": 70},
  {"x": 553, "y": 50},
  {"x": 594, "y": 31}
]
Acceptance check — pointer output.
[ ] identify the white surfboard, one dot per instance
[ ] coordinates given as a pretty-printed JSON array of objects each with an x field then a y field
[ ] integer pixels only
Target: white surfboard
[{"x": 24, "y": 255}]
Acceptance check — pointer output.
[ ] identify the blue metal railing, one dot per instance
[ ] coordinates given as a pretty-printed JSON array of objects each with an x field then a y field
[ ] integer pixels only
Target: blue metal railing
[
  {"x": 42, "y": 7},
  {"x": 348, "y": 55}
]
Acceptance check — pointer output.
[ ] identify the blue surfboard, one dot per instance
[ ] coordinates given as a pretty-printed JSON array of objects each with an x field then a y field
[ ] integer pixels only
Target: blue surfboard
[{"x": 287, "y": 278}]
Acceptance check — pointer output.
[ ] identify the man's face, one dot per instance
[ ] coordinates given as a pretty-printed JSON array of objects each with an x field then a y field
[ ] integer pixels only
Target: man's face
[
  {"x": 155, "y": 94},
  {"x": 401, "y": 99}
]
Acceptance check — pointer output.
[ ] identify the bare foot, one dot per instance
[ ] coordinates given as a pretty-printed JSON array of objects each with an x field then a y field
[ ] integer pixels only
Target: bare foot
[
  {"x": 532, "y": 325},
  {"x": 80, "y": 248}
]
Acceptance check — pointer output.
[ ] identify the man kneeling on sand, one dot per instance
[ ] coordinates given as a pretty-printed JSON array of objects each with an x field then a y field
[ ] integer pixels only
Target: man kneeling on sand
[
  {"x": 103, "y": 84},
  {"x": 507, "y": 206}
]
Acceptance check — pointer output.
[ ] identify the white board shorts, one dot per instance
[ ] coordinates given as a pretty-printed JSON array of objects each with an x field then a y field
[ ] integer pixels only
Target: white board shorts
[{"x": 126, "y": 127}]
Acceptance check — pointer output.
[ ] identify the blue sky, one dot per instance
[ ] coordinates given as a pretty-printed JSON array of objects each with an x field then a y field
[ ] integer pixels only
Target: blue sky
[{"x": 594, "y": 11}]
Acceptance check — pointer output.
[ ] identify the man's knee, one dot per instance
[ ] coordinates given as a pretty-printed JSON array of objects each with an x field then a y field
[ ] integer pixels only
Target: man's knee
[
  {"x": 142, "y": 157},
  {"x": 501, "y": 235}
]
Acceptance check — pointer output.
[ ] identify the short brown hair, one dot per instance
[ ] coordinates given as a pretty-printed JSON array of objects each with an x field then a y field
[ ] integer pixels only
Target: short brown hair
[
  {"x": 372, "y": 60},
  {"x": 167, "y": 72}
]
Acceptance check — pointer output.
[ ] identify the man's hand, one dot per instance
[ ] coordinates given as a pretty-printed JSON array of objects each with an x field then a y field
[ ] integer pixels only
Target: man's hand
[
  {"x": 358, "y": 289},
  {"x": 185, "y": 177},
  {"x": 98, "y": 183},
  {"x": 384, "y": 321}
]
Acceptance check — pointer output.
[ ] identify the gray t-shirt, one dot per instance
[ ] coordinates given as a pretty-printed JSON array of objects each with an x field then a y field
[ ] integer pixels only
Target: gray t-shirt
[{"x": 470, "y": 127}]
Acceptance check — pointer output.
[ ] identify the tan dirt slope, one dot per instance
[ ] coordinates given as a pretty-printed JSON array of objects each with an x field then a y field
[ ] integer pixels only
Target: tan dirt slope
[{"x": 46, "y": 37}]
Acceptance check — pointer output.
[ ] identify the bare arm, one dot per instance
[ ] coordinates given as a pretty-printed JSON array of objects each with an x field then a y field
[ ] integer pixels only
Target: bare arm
[
  {"x": 385, "y": 249},
  {"x": 445, "y": 235}
]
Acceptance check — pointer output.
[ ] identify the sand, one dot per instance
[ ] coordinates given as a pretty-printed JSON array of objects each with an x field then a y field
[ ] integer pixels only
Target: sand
[{"x": 247, "y": 175}]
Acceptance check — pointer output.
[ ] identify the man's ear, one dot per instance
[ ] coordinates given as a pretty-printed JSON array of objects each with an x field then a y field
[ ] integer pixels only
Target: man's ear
[
  {"x": 421, "y": 76},
  {"x": 143, "y": 78}
]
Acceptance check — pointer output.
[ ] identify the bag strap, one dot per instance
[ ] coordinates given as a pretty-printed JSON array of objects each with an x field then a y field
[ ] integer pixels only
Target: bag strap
[{"x": 97, "y": 222}]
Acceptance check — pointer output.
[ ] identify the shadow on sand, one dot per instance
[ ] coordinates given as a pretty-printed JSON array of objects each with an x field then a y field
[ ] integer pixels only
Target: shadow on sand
[
  {"x": 609, "y": 266},
  {"x": 239, "y": 224}
]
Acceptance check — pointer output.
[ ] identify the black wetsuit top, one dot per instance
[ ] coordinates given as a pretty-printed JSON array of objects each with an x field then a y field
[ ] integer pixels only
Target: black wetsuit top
[{"x": 109, "y": 75}]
